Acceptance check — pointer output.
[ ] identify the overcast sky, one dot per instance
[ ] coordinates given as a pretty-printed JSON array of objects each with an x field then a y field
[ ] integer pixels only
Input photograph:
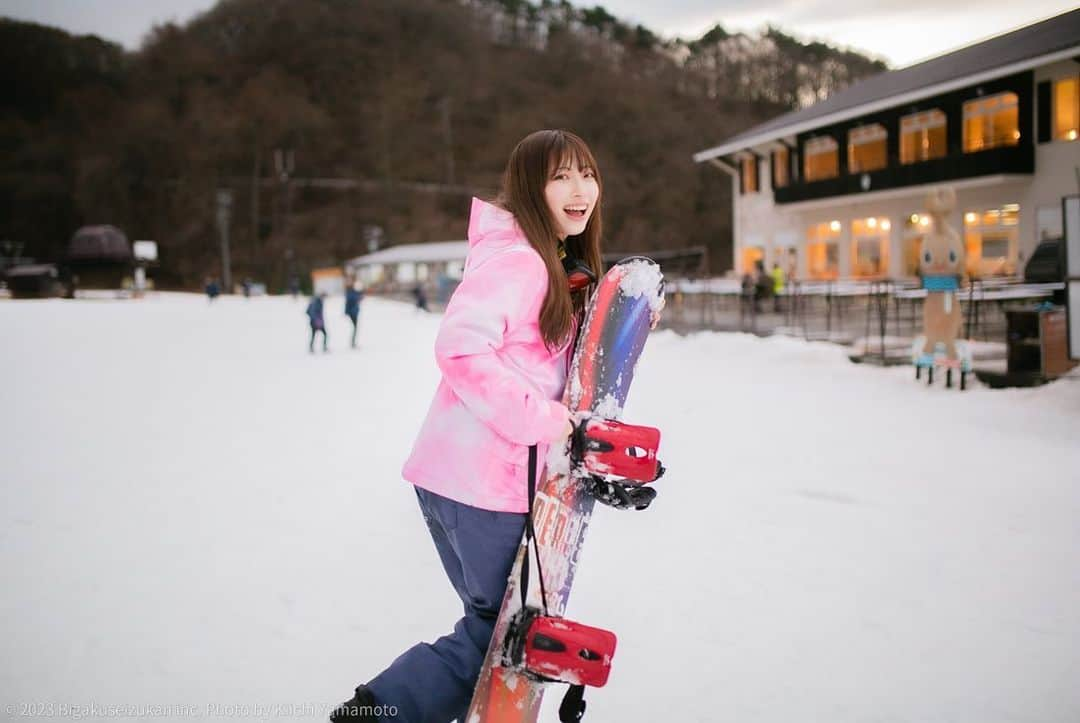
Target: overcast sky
[{"x": 899, "y": 31}]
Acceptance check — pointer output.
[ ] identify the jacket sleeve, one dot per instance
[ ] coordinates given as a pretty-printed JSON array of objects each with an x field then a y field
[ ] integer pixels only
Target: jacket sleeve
[{"x": 496, "y": 295}]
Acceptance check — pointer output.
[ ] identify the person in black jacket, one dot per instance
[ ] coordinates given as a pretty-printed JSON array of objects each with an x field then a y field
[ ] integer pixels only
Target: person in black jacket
[
  {"x": 421, "y": 297},
  {"x": 353, "y": 295},
  {"x": 318, "y": 322},
  {"x": 212, "y": 289}
]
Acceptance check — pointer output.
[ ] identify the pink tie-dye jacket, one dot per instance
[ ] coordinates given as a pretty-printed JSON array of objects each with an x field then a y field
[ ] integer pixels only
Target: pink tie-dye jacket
[{"x": 501, "y": 387}]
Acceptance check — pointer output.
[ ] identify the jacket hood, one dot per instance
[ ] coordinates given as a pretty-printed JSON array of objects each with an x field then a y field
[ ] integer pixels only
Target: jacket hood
[{"x": 492, "y": 229}]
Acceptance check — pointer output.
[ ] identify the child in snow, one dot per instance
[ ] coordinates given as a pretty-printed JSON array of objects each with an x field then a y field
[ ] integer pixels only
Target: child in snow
[
  {"x": 314, "y": 313},
  {"x": 502, "y": 349}
]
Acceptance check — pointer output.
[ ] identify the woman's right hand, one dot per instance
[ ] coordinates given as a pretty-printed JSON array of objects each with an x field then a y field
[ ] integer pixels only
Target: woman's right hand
[
  {"x": 572, "y": 419},
  {"x": 654, "y": 317}
]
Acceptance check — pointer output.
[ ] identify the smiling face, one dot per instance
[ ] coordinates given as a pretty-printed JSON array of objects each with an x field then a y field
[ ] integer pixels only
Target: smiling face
[
  {"x": 571, "y": 192},
  {"x": 553, "y": 187}
]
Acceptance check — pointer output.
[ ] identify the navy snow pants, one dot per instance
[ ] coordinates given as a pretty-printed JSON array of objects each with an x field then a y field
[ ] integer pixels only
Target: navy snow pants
[{"x": 433, "y": 683}]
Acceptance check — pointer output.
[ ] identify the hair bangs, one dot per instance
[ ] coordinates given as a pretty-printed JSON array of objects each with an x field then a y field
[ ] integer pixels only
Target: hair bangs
[{"x": 568, "y": 150}]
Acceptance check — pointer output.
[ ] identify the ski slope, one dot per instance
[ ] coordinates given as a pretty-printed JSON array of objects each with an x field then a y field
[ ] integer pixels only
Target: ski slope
[{"x": 200, "y": 520}]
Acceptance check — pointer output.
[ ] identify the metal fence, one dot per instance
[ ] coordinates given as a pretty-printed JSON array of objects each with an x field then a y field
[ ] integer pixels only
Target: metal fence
[{"x": 888, "y": 311}]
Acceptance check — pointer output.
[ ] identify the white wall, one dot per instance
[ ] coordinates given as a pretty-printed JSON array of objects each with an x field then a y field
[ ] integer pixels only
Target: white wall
[{"x": 757, "y": 217}]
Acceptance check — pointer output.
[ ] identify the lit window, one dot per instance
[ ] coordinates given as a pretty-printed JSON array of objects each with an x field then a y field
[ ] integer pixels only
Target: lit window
[
  {"x": 780, "y": 168},
  {"x": 750, "y": 256},
  {"x": 870, "y": 247},
  {"x": 823, "y": 250},
  {"x": 1067, "y": 109},
  {"x": 922, "y": 136},
  {"x": 749, "y": 174},
  {"x": 911, "y": 243},
  {"x": 990, "y": 239},
  {"x": 866, "y": 148},
  {"x": 821, "y": 159},
  {"x": 991, "y": 122}
]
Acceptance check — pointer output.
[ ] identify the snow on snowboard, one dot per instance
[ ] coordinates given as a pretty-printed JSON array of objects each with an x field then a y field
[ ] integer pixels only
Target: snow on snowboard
[{"x": 533, "y": 645}]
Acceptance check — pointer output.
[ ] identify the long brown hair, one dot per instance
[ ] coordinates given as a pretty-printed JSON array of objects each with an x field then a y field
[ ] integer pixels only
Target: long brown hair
[{"x": 527, "y": 173}]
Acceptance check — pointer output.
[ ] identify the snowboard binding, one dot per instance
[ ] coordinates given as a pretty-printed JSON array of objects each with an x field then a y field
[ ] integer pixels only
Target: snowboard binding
[
  {"x": 619, "y": 494},
  {"x": 618, "y": 460},
  {"x": 556, "y": 650}
]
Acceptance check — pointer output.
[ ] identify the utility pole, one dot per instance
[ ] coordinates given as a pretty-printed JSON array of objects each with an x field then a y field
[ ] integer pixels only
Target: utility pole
[
  {"x": 285, "y": 165},
  {"x": 448, "y": 136},
  {"x": 256, "y": 172},
  {"x": 224, "y": 209}
]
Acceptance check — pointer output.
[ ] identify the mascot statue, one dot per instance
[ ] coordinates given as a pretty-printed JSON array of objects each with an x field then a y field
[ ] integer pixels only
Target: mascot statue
[{"x": 941, "y": 264}]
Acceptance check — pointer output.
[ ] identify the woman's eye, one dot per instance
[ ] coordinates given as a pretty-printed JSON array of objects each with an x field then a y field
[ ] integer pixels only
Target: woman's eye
[
  {"x": 952, "y": 257},
  {"x": 927, "y": 257}
]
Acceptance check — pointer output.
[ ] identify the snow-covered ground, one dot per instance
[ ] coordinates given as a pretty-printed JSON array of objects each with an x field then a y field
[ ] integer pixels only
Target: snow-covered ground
[{"x": 196, "y": 512}]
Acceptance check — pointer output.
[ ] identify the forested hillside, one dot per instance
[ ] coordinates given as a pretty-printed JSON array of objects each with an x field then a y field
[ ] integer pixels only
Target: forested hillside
[{"x": 395, "y": 112}]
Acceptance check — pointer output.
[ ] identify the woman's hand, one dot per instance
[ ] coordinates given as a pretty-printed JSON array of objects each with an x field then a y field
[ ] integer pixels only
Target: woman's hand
[
  {"x": 654, "y": 318},
  {"x": 572, "y": 423}
]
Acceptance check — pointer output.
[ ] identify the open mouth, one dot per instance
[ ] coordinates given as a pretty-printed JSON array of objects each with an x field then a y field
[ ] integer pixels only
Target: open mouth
[{"x": 576, "y": 211}]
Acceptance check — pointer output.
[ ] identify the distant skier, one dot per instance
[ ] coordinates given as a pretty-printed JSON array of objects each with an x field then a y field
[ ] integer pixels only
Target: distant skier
[
  {"x": 502, "y": 349},
  {"x": 421, "y": 297},
  {"x": 212, "y": 289},
  {"x": 318, "y": 322},
  {"x": 353, "y": 296}
]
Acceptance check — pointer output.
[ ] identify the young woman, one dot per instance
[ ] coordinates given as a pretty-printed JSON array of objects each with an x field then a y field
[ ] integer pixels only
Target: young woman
[{"x": 503, "y": 350}]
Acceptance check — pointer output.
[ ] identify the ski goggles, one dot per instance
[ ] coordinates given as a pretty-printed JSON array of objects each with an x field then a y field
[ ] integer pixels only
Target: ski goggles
[{"x": 578, "y": 274}]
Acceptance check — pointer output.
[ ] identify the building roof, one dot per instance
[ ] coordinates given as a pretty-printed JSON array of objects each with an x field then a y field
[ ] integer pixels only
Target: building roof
[
  {"x": 416, "y": 253},
  {"x": 1056, "y": 38},
  {"x": 99, "y": 243},
  {"x": 31, "y": 270}
]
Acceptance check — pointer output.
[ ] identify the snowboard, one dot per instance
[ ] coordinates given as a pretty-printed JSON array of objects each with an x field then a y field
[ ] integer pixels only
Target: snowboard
[{"x": 609, "y": 342}]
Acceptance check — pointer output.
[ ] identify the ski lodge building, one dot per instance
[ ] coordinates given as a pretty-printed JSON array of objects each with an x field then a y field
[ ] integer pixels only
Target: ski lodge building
[
  {"x": 406, "y": 265},
  {"x": 836, "y": 190}
]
